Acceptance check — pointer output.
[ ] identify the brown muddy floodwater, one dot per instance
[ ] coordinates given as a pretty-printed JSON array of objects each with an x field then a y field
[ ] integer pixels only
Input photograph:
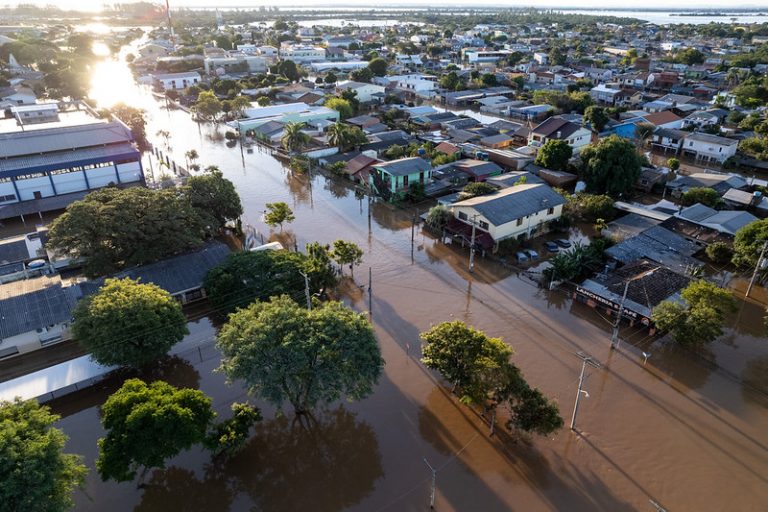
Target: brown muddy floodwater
[{"x": 684, "y": 430}]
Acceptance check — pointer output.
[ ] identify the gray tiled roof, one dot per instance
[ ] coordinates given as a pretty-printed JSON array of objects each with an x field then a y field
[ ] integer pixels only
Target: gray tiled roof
[
  {"x": 513, "y": 203},
  {"x": 405, "y": 166},
  {"x": 64, "y": 157},
  {"x": 62, "y": 139}
]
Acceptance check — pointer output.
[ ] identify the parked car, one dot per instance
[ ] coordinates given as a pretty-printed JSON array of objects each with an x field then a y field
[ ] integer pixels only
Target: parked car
[
  {"x": 521, "y": 257},
  {"x": 562, "y": 242},
  {"x": 532, "y": 254},
  {"x": 552, "y": 247}
]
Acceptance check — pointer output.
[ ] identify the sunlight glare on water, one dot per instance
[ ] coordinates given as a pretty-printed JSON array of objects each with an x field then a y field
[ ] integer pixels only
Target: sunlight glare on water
[{"x": 113, "y": 83}]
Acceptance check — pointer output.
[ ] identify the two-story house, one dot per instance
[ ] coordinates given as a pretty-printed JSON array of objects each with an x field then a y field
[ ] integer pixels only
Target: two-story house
[
  {"x": 704, "y": 147},
  {"x": 557, "y": 128},
  {"x": 393, "y": 179}
]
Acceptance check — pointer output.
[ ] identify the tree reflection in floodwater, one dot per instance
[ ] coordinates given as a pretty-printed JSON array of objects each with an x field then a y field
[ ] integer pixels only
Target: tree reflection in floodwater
[
  {"x": 176, "y": 489},
  {"x": 327, "y": 466}
]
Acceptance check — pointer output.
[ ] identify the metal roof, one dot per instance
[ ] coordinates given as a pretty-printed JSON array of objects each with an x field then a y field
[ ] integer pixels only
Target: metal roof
[
  {"x": 405, "y": 166},
  {"x": 62, "y": 159},
  {"x": 36, "y": 142},
  {"x": 513, "y": 203},
  {"x": 32, "y": 304}
]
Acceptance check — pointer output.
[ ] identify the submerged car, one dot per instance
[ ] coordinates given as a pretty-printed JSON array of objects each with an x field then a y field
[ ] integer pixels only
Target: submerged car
[
  {"x": 562, "y": 242},
  {"x": 532, "y": 254},
  {"x": 552, "y": 246},
  {"x": 521, "y": 257}
]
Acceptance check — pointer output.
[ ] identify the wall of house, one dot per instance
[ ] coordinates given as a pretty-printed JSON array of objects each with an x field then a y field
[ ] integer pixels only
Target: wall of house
[
  {"x": 534, "y": 224},
  {"x": 33, "y": 340},
  {"x": 709, "y": 151}
]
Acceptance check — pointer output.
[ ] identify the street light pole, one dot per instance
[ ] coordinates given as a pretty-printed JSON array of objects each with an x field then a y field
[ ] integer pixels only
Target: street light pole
[
  {"x": 472, "y": 246},
  {"x": 757, "y": 268},
  {"x": 615, "y": 336},
  {"x": 586, "y": 360},
  {"x": 306, "y": 291},
  {"x": 434, "y": 482}
]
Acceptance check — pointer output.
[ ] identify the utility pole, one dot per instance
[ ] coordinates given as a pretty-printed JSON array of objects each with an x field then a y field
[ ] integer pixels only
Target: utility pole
[
  {"x": 306, "y": 291},
  {"x": 370, "y": 292},
  {"x": 586, "y": 360},
  {"x": 615, "y": 336},
  {"x": 757, "y": 268},
  {"x": 472, "y": 246},
  {"x": 434, "y": 482}
]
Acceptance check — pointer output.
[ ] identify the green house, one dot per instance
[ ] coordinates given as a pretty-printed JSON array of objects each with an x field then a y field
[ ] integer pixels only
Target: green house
[{"x": 392, "y": 180}]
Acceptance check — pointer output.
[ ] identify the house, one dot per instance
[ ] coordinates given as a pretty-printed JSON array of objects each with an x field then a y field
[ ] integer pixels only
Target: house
[
  {"x": 478, "y": 170},
  {"x": 659, "y": 245},
  {"x": 36, "y": 113},
  {"x": 557, "y": 128},
  {"x": 35, "y": 313},
  {"x": 668, "y": 141},
  {"x": 718, "y": 181},
  {"x": 393, "y": 179},
  {"x": 17, "y": 95},
  {"x": 176, "y": 81},
  {"x": 724, "y": 221},
  {"x": 603, "y": 94},
  {"x": 707, "y": 118},
  {"x": 359, "y": 168},
  {"x": 499, "y": 141},
  {"x": 181, "y": 276},
  {"x": 366, "y": 93},
  {"x": 515, "y": 212},
  {"x": 302, "y": 54},
  {"x": 704, "y": 147},
  {"x": 288, "y": 112},
  {"x": 647, "y": 285}
]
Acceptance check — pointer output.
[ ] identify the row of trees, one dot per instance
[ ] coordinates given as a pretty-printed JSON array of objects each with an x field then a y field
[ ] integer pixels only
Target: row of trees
[{"x": 113, "y": 228}]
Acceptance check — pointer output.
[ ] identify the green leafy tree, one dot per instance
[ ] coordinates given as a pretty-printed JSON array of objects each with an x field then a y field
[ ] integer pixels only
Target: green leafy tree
[
  {"x": 128, "y": 323},
  {"x": 612, "y": 166},
  {"x": 673, "y": 164},
  {"x": 704, "y": 195},
  {"x": 228, "y": 437},
  {"x": 477, "y": 188},
  {"x": 135, "y": 120},
  {"x": 286, "y": 353},
  {"x": 690, "y": 56},
  {"x": 35, "y": 474},
  {"x": 749, "y": 242},
  {"x": 215, "y": 198},
  {"x": 148, "y": 424},
  {"x": 378, "y": 66},
  {"x": 719, "y": 252},
  {"x": 643, "y": 133},
  {"x": 438, "y": 217},
  {"x": 554, "y": 154},
  {"x": 207, "y": 106},
  {"x": 347, "y": 253},
  {"x": 277, "y": 214},
  {"x": 113, "y": 228},
  {"x": 596, "y": 117},
  {"x": 248, "y": 276},
  {"x": 450, "y": 81},
  {"x": 239, "y": 104},
  {"x": 489, "y": 80},
  {"x": 479, "y": 367},
  {"x": 342, "y": 106},
  {"x": 294, "y": 139},
  {"x": 289, "y": 70},
  {"x": 700, "y": 319}
]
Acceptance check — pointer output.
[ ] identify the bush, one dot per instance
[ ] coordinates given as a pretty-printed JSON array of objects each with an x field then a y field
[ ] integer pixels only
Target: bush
[
  {"x": 477, "y": 189},
  {"x": 590, "y": 207},
  {"x": 438, "y": 217},
  {"x": 706, "y": 196},
  {"x": 719, "y": 252}
]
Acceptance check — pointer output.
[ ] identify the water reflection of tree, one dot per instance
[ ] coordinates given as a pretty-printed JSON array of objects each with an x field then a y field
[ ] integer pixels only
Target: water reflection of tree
[
  {"x": 690, "y": 366},
  {"x": 286, "y": 238},
  {"x": 299, "y": 187},
  {"x": 330, "y": 466},
  {"x": 179, "y": 489},
  {"x": 337, "y": 188},
  {"x": 755, "y": 377},
  {"x": 556, "y": 298},
  {"x": 389, "y": 217}
]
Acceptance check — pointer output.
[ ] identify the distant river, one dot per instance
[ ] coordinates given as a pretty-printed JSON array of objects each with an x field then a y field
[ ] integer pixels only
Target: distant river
[{"x": 666, "y": 18}]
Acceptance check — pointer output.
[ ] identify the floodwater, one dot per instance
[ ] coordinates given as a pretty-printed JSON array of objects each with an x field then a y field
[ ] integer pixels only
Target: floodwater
[{"x": 685, "y": 430}]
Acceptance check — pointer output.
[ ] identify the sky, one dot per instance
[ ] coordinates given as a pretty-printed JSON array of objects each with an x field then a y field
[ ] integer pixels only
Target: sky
[{"x": 95, "y": 5}]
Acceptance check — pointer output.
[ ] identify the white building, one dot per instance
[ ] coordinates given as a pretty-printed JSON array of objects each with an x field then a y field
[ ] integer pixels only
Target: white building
[
  {"x": 519, "y": 212},
  {"x": 707, "y": 148},
  {"x": 303, "y": 54},
  {"x": 541, "y": 58},
  {"x": 351, "y": 65},
  {"x": 176, "y": 81},
  {"x": 233, "y": 62},
  {"x": 481, "y": 56},
  {"x": 365, "y": 92}
]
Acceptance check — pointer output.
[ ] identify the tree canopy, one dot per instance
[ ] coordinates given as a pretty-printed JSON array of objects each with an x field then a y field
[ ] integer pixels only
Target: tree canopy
[
  {"x": 342, "y": 106},
  {"x": 612, "y": 166},
  {"x": 35, "y": 474},
  {"x": 147, "y": 424},
  {"x": 378, "y": 66},
  {"x": 704, "y": 195},
  {"x": 215, "y": 198},
  {"x": 347, "y": 253},
  {"x": 248, "y": 276},
  {"x": 700, "y": 319},
  {"x": 749, "y": 242},
  {"x": 479, "y": 368},
  {"x": 278, "y": 213},
  {"x": 596, "y": 117},
  {"x": 128, "y": 323},
  {"x": 286, "y": 353},
  {"x": 113, "y": 228},
  {"x": 554, "y": 154}
]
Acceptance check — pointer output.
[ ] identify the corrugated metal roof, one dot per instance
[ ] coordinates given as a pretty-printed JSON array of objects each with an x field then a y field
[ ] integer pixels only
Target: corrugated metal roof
[
  {"x": 62, "y": 139},
  {"x": 514, "y": 203},
  {"x": 61, "y": 159},
  {"x": 32, "y": 304}
]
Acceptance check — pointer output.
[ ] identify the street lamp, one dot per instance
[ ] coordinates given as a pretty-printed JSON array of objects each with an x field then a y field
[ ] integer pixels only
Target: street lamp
[
  {"x": 615, "y": 336},
  {"x": 761, "y": 264}
]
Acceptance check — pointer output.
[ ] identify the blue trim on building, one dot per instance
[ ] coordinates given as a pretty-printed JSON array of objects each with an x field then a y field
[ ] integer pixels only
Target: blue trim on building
[{"x": 73, "y": 163}]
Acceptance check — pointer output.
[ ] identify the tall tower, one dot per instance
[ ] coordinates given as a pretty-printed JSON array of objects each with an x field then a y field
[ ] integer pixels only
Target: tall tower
[{"x": 170, "y": 24}]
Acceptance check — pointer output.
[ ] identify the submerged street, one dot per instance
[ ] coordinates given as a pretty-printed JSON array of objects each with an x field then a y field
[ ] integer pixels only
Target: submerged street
[{"x": 667, "y": 428}]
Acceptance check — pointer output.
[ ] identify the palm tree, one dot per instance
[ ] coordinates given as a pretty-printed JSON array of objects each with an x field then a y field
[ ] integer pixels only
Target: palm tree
[
  {"x": 293, "y": 138},
  {"x": 338, "y": 135},
  {"x": 643, "y": 132},
  {"x": 191, "y": 156}
]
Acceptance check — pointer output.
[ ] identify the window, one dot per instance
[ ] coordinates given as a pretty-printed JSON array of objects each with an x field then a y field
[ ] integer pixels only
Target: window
[
  {"x": 463, "y": 216},
  {"x": 483, "y": 225},
  {"x": 520, "y": 221},
  {"x": 550, "y": 211}
]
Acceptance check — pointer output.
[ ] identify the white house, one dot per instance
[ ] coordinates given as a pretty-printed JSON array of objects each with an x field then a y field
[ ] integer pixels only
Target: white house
[
  {"x": 174, "y": 81},
  {"x": 557, "y": 128},
  {"x": 519, "y": 212},
  {"x": 302, "y": 54},
  {"x": 365, "y": 92},
  {"x": 17, "y": 95},
  {"x": 235, "y": 62},
  {"x": 709, "y": 148},
  {"x": 541, "y": 58},
  {"x": 480, "y": 56}
]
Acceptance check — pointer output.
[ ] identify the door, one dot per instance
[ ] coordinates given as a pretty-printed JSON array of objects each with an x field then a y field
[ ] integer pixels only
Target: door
[{"x": 37, "y": 194}]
